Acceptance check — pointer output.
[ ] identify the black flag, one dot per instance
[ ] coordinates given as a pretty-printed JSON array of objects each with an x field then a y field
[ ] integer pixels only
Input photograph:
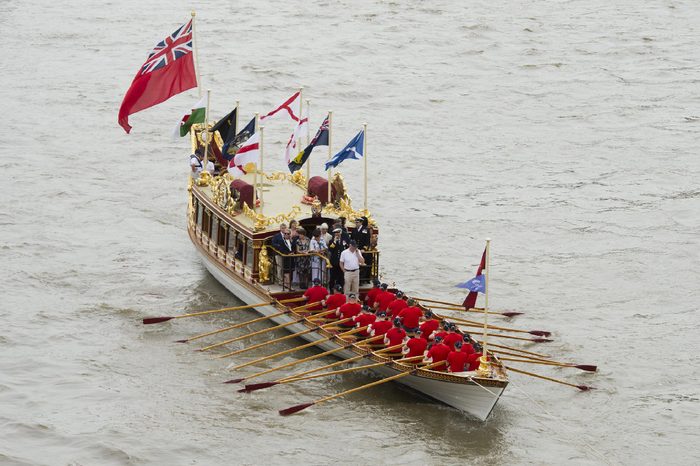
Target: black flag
[{"x": 320, "y": 139}]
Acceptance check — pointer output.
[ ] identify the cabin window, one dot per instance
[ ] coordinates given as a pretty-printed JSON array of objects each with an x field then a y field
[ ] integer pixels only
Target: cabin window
[
  {"x": 222, "y": 233},
  {"x": 239, "y": 246},
  {"x": 206, "y": 222},
  {"x": 214, "y": 228},
  {"x": 249, "y": 251}
]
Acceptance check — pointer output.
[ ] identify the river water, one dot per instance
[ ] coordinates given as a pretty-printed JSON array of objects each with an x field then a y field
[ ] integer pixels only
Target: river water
[{"x": 565, "y": 131}]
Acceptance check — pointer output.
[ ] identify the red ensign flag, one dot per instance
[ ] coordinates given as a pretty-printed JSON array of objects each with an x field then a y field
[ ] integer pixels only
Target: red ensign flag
[{"x": 168, "y": 71}]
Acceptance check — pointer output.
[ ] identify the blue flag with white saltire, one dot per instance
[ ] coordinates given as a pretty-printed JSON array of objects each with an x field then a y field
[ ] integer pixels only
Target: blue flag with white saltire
[
  {"x": 476, "y": 284},
  {"x": 352, "y": 151}
]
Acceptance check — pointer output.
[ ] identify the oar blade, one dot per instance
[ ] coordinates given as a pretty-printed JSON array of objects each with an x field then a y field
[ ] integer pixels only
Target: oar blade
[
  {"x": 586, "y": 367},
  {"x": 511, "y": 313},
  {"x": 181, "y": 341},
  {"x": 540, "y": 333},
  {"x": 235, "y": 380},
  {"x": 257, "y": 386},
  {"x": 541, "y": 340},
  {"x": 585, "y": 388},
  {"x": 294, "y": 409},
  {"x": 155, "y": 320}
]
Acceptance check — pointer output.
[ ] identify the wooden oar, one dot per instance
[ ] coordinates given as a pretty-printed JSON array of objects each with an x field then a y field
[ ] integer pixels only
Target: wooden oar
[
  {"x": 580, "y": 387},
  {"x": 297, "y": 408},
  {"x": 512, "y": 348},
  {"x": 297, "y": 348},
  {"x": 510, "y": 337},
  {"x": 157, "y": 320},
  {"x": 286, "y": 337},
  {"x": 299, "y": 361},
  {"x": 293, "y": 377},
  {"x": 353, "y": 369},
  {"x": 519, "y": 355},
  {"x": 473, "y": 323},
  {"x": 258, "y": 332},
  {"x": 232, "y": 327},
  {"x": 583, "y": 367},
  {"x": 459, "y": 307}
]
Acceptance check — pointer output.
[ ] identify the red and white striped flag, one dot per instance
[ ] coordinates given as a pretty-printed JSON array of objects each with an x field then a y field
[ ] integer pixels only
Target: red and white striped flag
[
  {"x": 286, "y": 108},
  {"x": 248, "y": 153}
]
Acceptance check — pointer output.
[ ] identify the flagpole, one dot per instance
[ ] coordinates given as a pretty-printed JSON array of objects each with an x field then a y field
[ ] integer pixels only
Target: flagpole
[
  {"x": 196, "y": 55},
  {"x": 204, "y": 175},
  {"x": 308, "y": 126},
  {"x": 262, "y": 170},
  {"x": 301, "y": 109},
  {"x": 364, "y": 156},
  {"x": 484, "y": 369},
  {"x": 255, "y": 172},
  {"x": 238, "y": 110},
  {"x": 330, "y": 142}
]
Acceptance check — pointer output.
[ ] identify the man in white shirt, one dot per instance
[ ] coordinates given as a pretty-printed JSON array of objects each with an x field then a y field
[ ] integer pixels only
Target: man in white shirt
[
  {"x": 350, "y": 261},
  {"x": 197, "y": 163}
]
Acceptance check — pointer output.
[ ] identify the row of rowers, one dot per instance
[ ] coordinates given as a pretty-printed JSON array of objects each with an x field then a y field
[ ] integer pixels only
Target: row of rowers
[{"x": 403, "y": 324}]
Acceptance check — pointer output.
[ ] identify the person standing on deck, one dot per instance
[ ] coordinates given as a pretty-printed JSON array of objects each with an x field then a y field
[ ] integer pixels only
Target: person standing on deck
[
  {"x": 362, "y": 236},
  {"x": 197, "y": 164},
  {"x": 317, "y": 245},
  {"x": 327, "y": 237},
  {"x": 336, "y": 248},
  {"x": 278, "y": 242},
  {"x": 350, "y": 262}
]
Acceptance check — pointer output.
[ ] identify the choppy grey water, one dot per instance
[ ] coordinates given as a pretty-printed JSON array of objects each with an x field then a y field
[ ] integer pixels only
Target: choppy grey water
[{"x": 565, "y": 131}]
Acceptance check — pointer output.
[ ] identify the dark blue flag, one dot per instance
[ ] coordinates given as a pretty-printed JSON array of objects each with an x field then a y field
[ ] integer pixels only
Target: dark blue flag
[
  {"x": 476, "y": 284},
  {"x": 228, "y": 150},
  {"x": 354, "y": 150}
]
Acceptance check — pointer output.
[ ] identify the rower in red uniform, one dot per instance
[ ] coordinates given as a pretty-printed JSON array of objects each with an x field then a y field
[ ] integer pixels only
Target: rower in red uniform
[
  {"x": 467, "y": 346},
  {"x": 316, "y": 294},
  {"x": 372, "y": 294},
  {"x": 349, "y": 310},
  {"x": 397, "y": 305},
  {"x": 442, "y": 333},
  {"x": 415, "y": 346},
  {"x": 410, "y": 316},
  {"x": 457, "y": 360},
  {"x": 363, "y": 319},
  {"x": 437, "y": 353},
  {"x": 335, "y": 300},
  {"x": 427, "y": 328},
  {"x": 452, "y": 336},
  {"x": 474, "y": 357},
  {"x": 384, "y": 298},
  {"x": 395, "y": 335},
  {"x": 381, "y": 325}
]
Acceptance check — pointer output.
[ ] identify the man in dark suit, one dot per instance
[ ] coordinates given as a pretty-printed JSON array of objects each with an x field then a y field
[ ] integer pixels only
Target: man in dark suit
[
  {"x": 282, "y": 242},
  {"x": 335, "y": 249},
  {"x": 362, "y": 234}
]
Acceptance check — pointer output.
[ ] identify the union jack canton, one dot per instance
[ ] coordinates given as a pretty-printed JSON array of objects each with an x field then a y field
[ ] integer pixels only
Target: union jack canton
[{"x": 176, "y": 45}]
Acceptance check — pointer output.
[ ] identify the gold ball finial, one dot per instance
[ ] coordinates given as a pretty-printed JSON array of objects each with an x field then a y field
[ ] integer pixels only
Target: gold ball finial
[{"x": 193, "y": 13}]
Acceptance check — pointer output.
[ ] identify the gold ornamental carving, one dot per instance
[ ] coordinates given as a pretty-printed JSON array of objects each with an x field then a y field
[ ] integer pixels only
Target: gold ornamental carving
[
  {"x": 260, "y": 221},
  {"x": 344, "y": 209},
  {"x": 264, "y": 266},
  {"x": 297, "y": 178}
]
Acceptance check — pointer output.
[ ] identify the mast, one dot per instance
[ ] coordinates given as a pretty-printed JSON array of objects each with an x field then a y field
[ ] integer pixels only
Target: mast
[
  {"x": 238, "y": 110},
  {"x": 255, "y": 172},
  {"x": 330, "y": 153},
  {"x": 308, "y": 126},
  {"x": 484, "y": 368},
  {"x": 364, "y": 156},
  {"x": 262, "y": 170},
  {"x": 196, "y": 54}
]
